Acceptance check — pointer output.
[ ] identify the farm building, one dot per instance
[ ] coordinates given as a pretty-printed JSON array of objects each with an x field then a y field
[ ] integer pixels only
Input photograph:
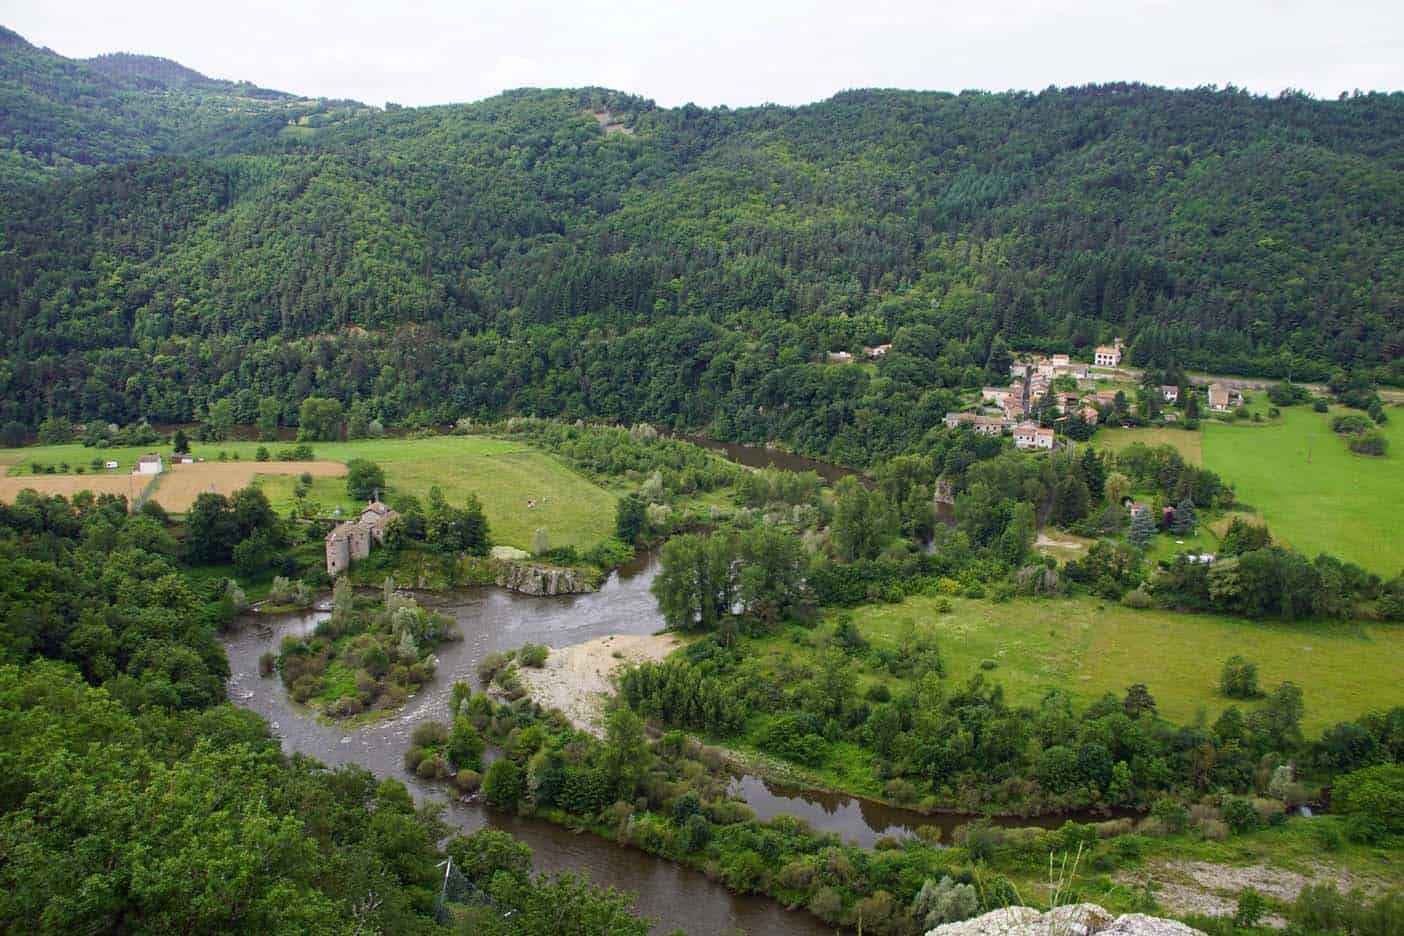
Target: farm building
[
  {"x": 149, "y": 464},
  {"x": 1223, "y": 398}
]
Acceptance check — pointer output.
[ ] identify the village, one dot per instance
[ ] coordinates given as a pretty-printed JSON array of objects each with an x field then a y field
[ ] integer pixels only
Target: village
[{"x": 1075, "y": 391}]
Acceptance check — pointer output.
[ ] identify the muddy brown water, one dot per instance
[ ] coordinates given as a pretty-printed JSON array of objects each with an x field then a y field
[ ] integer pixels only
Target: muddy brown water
[{"x": 494, "y": 619}]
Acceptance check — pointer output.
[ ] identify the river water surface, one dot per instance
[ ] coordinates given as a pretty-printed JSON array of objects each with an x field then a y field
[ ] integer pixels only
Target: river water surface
[{"x": 494, "y": 619}]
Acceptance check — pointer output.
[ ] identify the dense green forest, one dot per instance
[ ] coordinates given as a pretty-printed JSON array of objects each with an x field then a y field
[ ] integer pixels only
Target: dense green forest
[{"x": 586, "y": 253}]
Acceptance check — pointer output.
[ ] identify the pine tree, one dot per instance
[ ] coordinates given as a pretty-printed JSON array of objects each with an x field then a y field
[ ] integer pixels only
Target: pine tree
[
  {"x": 1186, "y": 522},
  {"x": 1142, "y": 529}
]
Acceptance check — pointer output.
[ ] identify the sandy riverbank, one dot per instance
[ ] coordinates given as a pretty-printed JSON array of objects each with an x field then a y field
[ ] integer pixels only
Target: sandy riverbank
[{"x": 577, "y": 679}]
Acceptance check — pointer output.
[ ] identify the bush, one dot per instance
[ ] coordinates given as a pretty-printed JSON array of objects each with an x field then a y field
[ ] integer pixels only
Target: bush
[
  {"x": 502, "y": 787},
  {"x": 1375, "y": 793},
  {"x": 1369, "y": 443},
  {"x": 944, "y": 902},
  {"x": 1173, "y": 816},
  {"x": 1239, "y": 679},
  {"x": 467, "y": 781},
  {"x": 429, "y": 734},
  {"x": 1239, "y": 814},
  {"x": 1251, "y": 908},
  {"x": 266, "y": 663},
  {"x": 533, "y": 655}
]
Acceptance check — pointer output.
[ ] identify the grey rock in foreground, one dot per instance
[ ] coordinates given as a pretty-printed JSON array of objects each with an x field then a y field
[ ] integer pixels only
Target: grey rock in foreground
[{"x": 1075, "y": 920}]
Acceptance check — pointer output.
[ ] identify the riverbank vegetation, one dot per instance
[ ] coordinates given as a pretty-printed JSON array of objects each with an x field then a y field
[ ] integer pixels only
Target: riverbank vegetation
[
  {"x": 669, "y": 797},
  {"x": 363, "y": 657}
]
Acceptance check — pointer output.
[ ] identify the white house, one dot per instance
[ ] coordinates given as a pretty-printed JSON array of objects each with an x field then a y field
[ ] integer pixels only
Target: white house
[
  {"x": 149, "y": 464},
  {"x": 1169, "y": 393},
  {"x": 1031, "y": 436},
  {"x": 1107, "y": 355},
  {"x": 995, "y": 395}
]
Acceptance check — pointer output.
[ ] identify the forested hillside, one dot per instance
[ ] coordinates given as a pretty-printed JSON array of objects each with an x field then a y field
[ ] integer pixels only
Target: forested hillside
[{"x": 585, "y": 253}]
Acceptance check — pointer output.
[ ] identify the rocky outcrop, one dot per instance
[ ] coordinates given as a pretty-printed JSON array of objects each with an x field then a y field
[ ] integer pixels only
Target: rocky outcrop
[
  {"x": 1075, "y": 920},
  {"x": 531, "y": 579}
]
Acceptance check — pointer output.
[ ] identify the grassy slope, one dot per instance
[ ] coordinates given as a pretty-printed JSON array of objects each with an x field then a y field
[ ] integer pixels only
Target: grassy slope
[
  {"x": 1337, "y": 502},
  {"x": 503, "y": 473},
  {"x": 1088, "y": 648}
]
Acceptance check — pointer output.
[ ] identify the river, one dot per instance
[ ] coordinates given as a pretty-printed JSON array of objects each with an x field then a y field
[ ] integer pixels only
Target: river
[{"x": 494, "y": 619}]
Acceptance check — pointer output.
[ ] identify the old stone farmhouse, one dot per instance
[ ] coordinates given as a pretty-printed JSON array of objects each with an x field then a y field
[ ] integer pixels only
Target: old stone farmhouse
[{"x": 351, "y": 541}]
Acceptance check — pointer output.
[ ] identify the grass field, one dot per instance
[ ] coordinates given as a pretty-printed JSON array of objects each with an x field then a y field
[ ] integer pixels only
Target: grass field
[
  {"x": 1183, "y": 441},
  {"x": 1088, "y": 648},
  {"x": 1313, "y": 492},
  {"x": 507, "y": 476}
]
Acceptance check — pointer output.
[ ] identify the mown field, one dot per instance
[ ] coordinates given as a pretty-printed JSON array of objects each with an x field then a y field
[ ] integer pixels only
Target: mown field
[
  {"x": 1311, "y": 490},
  {"x": 1183, "y": 441},
  {"x": 522, "y": 488},
  {"x": 1088, "y": 647}
]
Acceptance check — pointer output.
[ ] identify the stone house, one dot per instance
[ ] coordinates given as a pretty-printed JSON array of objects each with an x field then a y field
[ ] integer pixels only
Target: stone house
[
  {"x": 1223, "y": 398},
  {"x": 352, "y": 540}
]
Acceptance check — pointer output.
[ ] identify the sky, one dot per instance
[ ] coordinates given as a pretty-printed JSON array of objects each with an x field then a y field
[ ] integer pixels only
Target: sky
[{"x": 417, "y": 52}]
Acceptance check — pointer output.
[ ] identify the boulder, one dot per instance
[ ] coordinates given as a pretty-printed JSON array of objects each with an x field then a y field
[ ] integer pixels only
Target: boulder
[
  {"x": 531, "y": 579},
  {"x": 1072, "y": 920}
]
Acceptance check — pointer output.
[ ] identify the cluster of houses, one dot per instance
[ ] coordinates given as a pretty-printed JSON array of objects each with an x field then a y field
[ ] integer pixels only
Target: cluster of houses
[
  {"x": 846, "y": 357},
  {"x": 1027, "y": 434},
  {"x": 352, "y": 540}
]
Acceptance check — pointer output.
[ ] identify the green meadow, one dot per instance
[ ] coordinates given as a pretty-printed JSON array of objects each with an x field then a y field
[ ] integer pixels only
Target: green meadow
[
  {"x": 1311, "y": 490},
  {"x": 521, "y": 488},
  {"x": 1088, "y": 647},
  {"x": 1184, "y": 441}
]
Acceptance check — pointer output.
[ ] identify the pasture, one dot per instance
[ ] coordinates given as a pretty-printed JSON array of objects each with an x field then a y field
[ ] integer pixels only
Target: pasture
[
  {"x": 1187, "y": 443},
  {"x": 1311, "y": 490},
  {"x": 1088, "y": 647},
  {"x": 521, "y": 488}
]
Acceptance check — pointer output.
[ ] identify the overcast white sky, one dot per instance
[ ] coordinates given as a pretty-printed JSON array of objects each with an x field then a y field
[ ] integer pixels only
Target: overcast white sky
[{"x": 732, "y": 52}]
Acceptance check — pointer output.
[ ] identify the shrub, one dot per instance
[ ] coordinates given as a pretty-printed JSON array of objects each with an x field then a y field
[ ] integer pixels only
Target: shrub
[
  {"x": 1319, "y": 405},
  {"x": 1351, "y": 422},
  {"x": 1213, "y": 830},
  {"x": 1239, "y": 679},
  {"x": 265, "y": 664},
  {"x": 1173, "y": 816},
  {"x": 1138, "y": 598},
  {"x": 413, "y": 756},
  {"x": 944, "y": 902},
  {"x": 1240, "y": 814},
  {"x": 533, "y": 655},
  {"x": 429, "y": 734},
  {"x": 1369, "y": 443},
  {"x": 826, "y": 904},
  {"x": 1375, "y": 793},
  {"x": 1251, "y": 908},
  {"x": 467, "y": 781},
  {"x": 502, "y": 787}
]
